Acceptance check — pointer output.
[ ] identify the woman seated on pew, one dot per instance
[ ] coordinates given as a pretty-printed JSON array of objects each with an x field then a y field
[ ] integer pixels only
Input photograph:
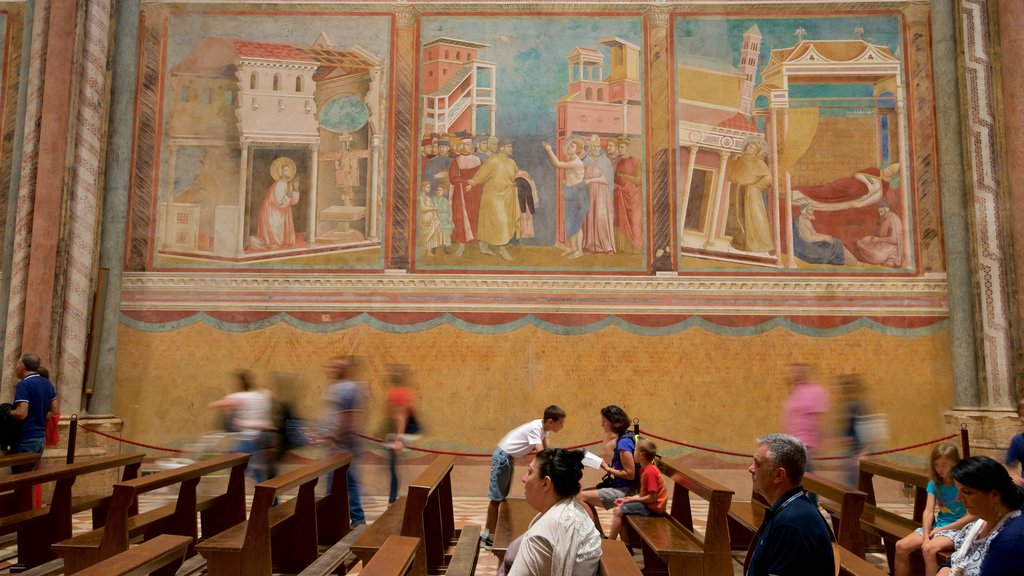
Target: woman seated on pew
[
  {"x": 621, "y": 474},
  {"x": 562, "y": 539},
  {"x": 992, "y": 545}
]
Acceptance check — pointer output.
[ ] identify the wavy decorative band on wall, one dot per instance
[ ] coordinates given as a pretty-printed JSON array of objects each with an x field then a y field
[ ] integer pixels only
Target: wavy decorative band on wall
[{"x": 560, "y": 324}]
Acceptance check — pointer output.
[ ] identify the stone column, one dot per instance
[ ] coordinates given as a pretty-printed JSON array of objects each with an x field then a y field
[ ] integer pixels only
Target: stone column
[
  {"x": 1010, "y": 101},
  {"x": 51, "y": 182},
  {"x": 80, "y": 253},
  {"x": 979, "y": 315},
  {"x": 115, "y": 200},
  {"x": 21, "y": 57}
]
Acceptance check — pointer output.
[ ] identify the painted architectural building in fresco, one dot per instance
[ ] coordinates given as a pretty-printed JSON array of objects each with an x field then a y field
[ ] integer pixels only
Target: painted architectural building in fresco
[
  {"x": 714, "y": 109},
  {"x": 820, "y": 124},
  {"x": 239, "y": 111},
  {"x": 819, "y": 138},
  {"x": 608, "y": 106},
  {"x": 458, "y": 88}
]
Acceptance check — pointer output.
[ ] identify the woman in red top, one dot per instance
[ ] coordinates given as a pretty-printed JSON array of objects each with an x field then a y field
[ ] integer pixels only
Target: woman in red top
[{"x": 401, "y": 419}]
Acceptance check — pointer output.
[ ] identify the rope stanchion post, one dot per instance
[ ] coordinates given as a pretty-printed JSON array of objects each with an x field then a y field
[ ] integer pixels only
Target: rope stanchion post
[
  {"x": 72, "y": 438},
  {"x": 965, "y": 441},
  {"x": 636, "y": 426}
]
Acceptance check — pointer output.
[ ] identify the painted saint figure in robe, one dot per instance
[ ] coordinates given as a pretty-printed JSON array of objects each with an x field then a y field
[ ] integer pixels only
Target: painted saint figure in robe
[
  {"x": 465, "y": 200},
  {"x": 599, "y": 176},
  {"x": 274, "y": 226},
  {"x": 750, "y": 178},
  {"x": 575, "y": 196},
  {"x": 429, "y": 223},
  {"x": 886, "y": 246},
  {"x": 499, "y": 201},
  {"x": 813, "y": 247},
  {"x": 628, "y": 197}
]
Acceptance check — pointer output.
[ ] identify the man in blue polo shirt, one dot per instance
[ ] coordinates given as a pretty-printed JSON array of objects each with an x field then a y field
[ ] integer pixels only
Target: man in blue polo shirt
[
  {"x": 34, "y": 399},
  {"x": 793, "y": 540}
]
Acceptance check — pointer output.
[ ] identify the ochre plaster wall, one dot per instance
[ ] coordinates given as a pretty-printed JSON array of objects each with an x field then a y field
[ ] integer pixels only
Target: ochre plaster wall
[{"x": 696, "y": 386}]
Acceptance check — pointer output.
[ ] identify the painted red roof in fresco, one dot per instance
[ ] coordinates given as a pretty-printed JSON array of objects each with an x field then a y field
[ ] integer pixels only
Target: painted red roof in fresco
[
  {"x": 739, "y": 121},
  {"x": 270, "y": 51}
]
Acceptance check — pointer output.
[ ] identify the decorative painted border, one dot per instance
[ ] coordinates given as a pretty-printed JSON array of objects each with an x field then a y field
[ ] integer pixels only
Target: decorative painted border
[
  {"x": 549, "y": 324},
  {"x": 517, "y": 294}
]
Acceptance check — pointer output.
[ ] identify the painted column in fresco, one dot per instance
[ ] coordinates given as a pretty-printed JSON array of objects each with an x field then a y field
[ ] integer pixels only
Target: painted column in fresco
[
  {"x": 660, "y": 137},
  {"x": 405, "y": 66}
]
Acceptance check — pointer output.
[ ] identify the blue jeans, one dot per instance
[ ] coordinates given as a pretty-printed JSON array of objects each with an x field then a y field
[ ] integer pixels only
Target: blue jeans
[
  {"x": 28, "y": 446},
  {"x": 257, "y": 464},
  {"x": 393, "y": 468},
  {"x": 356, "y": 516}
]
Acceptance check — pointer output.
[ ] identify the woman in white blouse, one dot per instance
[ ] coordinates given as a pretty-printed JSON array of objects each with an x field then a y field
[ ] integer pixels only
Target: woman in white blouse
[{"x": 562, "y": 539}]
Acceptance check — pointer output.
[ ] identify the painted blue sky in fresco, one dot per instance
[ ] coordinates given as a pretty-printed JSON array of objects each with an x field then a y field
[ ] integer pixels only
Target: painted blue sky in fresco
[
  {"x": 531, "y": 55},
  {"x": 186, "y": 31},
  {"x": 718, "y": 40}
]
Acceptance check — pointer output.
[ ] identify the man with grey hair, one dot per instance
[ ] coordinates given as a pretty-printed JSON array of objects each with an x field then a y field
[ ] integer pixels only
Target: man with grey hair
[
  {"x": 34, "y": 400},
  {"x": 793, "y": 539}
]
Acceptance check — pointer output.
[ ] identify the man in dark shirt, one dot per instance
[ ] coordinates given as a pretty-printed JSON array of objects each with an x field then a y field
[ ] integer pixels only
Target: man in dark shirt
[
  {"x": 793, "y": 540},
  {"x": 34, "y": 399}
]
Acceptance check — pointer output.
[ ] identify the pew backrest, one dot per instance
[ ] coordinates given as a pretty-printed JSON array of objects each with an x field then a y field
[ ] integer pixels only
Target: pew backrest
[
  {"x": 871, "y": 467},
  {"x": 851, "y": 506},
  {"x": 38, "y": 529}
]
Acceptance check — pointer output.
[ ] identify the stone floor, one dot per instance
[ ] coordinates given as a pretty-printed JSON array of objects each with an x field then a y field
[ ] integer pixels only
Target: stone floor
[{"x": 468, "y": 509}]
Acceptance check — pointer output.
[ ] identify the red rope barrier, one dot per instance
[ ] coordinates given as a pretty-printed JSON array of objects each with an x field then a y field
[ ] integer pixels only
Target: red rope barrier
[
  {"x": 119, "y": 439},
  {"x": 469, "y": 454},
  {"x": 840, "y": 457},
  {"x": 573, "y": 447}
]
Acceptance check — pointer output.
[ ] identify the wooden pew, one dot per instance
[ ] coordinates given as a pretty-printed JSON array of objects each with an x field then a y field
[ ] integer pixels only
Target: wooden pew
[
  {"x": 616, "y": 560},
  {"x": 124, "y": 522},
  {"x": 38, "y": 529},
  {"x": 426, "y": 513},
  {"x": 18, "y": 459},
  {"x": 670, "y": 543},
  {"x": 748, "y": 516},
  {"x": 142, "y": 559},
  {"x": 882, "y": 524},
  {"x": 284, "y": 535},
  {"x": 514, "y": 517},
  {"x": 394, "y": 558}
]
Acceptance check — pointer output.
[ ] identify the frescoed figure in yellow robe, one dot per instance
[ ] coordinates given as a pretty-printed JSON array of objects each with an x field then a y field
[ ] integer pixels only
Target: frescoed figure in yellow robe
[
  {"x": 750, "y": 178},
  {"x": 499, "y": 202}
]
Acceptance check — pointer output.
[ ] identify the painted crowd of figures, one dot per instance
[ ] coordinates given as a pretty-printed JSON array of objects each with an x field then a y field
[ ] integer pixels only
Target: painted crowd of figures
[{"x": 478, "y": 194}]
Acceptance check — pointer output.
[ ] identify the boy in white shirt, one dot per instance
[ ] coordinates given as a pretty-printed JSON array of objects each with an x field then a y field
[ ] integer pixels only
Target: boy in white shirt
[{"x": 527, "y": 439}]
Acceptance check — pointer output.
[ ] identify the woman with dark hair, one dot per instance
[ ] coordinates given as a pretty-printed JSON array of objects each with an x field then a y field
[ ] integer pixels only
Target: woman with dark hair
[
  {"x": 562, "y": 539},
  {"x": 620, "y": 472},
  {"x": 992, "y": 545}
]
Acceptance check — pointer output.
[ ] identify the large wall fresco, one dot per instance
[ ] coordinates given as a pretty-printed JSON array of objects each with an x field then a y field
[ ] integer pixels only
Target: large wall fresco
[
  {"x": 269, "y": 144},
  {"x": 532, "y": 144},
  {"x": 272, "y": 139},
  {"x": 793, "y": 143}
]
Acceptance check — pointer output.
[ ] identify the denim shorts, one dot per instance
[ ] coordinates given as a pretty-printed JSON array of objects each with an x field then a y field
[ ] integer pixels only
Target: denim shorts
[
  {"x": 636, "y": 509},
  {"x": 502, "y": 467}
]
